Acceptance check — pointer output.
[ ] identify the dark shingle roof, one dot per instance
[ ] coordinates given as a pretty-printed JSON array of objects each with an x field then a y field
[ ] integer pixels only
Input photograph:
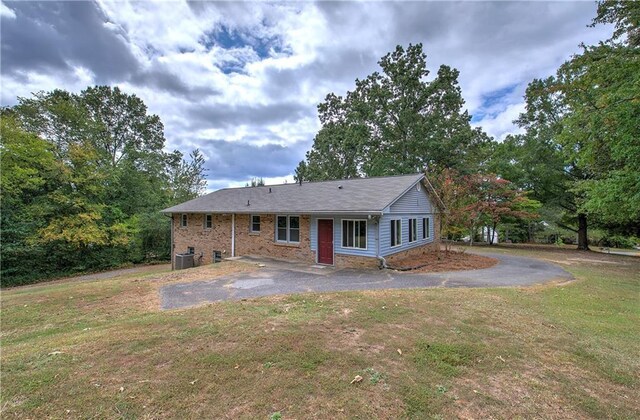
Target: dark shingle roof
[{"x": 346, "y": 196}]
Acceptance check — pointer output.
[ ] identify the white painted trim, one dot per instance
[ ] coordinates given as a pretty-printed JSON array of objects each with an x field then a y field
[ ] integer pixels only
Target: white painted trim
[
  {"x": 204, "y": 221},
  {"x": 366, "y": 224},
  {"x": 251, "y": 216},
  {"x": 288, "y": 241},
  {"x": 426, "y": 234},
  {"x": 415, "y": 238},
  {"x": 400, "y": 244}
]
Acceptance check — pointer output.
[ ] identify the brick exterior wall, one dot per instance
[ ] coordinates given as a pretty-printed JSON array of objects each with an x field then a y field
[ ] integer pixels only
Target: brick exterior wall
[
  {"x": 205, "y": 241},
  {"x": 412, "y": 253},
  {"x": 355, "y": 261},
  {"x": 218, "y": 238},
  {"x": 264, "y": 244}
]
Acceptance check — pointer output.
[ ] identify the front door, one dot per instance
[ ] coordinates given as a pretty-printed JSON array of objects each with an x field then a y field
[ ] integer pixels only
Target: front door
[{"x": 325, "y": 241}]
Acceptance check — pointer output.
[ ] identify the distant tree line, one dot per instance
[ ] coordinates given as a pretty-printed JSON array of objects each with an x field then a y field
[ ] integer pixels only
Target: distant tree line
[
  {"x": 83, "y": 179},
  {"x": 577, "y": 164}
]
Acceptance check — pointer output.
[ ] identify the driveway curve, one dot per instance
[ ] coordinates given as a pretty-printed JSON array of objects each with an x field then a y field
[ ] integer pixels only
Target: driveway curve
[{"x": 279, "y": 279}]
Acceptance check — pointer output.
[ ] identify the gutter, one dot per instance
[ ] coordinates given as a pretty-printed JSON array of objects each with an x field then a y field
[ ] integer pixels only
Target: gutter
[{"x": 258, "y": 211}]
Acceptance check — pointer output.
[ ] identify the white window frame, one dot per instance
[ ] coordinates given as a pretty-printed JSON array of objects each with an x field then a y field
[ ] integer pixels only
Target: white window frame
[
  {"x": 398, "y": 229},
  {"x": 413, "y": 230},
  {"x": 204, "y": 221},
  {"x": 184, "y": 220},
  {"x": 288, "y": 229},
  {"x": 426, "y": 228},
  {"x": 251, "y": 223},
  {"x": 366, "y": 234}
]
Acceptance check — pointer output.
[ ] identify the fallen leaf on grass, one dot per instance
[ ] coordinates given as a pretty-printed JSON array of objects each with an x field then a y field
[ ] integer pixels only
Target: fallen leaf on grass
[
  {"x": 53, "y": 353},
  {"x": 357, "y": 379}
]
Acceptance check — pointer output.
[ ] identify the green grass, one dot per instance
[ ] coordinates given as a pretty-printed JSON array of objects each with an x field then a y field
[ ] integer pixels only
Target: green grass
[{"x": 568, "y": 350}]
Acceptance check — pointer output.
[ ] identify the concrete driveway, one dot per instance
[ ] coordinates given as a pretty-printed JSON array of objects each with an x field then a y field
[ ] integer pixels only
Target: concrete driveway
[{"x": 277, "y": 278}]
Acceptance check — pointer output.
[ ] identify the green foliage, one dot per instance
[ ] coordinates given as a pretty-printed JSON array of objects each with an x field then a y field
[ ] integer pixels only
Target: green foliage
[
  {"x": 619, "y": 241},
  {"x": 478, "y": 200},
  {"x": 580, "y": 155},
  {"x": 446, "y": 358},
  {"x": 84, "y": 177},
  {"x": 255, "y": 182},
  {"x": 395, "y": 122}
]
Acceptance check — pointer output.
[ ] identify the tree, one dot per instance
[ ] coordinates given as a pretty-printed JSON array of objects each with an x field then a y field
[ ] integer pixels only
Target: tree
[
  {"x": 538, "y": 162},
  {"x": 255, "y": 182},
  {"x": 496, "y": 200},
  {"x": 84, "y": 177},
  {"x": 455, "y": 196},
  {"x": 123, "y": 128},
  {"x": 395, "y": 122},
  {"x": 601, "y": 87},
  {"x": 186, "y": 177},
  {"x": 580, "y": 151}
]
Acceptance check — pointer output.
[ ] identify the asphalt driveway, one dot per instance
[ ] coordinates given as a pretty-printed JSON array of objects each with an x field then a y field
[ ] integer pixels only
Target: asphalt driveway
[{"x": 281, "y": 278}]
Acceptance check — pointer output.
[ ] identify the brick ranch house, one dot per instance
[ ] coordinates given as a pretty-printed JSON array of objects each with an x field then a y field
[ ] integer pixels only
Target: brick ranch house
[{"x": 359, "y": 222}]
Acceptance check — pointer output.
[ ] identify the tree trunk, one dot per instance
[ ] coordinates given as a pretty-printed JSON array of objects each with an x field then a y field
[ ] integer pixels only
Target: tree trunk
[
  {"x": 583, "y": 242},
  {"x": 493, "y": 232}
]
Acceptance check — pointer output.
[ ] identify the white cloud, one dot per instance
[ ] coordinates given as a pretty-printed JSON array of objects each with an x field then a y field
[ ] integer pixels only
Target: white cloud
[
  {"x": 249, "y": 75},
  {"x": 6, "y": 11}
]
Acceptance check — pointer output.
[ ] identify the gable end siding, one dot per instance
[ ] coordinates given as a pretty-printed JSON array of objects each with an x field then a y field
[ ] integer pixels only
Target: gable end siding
[{"x": 413, "y": 201}]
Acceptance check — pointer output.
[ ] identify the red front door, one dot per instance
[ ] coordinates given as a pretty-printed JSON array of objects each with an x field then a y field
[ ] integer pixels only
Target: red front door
[{"x": 325, "y": 241}]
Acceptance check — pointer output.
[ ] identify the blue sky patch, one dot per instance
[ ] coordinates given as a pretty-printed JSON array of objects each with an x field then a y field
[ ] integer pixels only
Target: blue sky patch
[
  {"x": 228, "y": 38},
  {"x": 493, "y": 103}
]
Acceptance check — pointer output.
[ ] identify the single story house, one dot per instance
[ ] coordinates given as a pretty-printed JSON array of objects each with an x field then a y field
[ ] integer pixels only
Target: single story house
[{"x": 344, "y": 223}]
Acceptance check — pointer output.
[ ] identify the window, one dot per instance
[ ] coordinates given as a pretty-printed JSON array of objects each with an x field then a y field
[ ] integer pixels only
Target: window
[
  {"x": 288, "y": 229},
  {"x": 425, "y": 228},
  {"x": 255, "y": 223},
  {"x": 413, "y": 230},
  {"x": 354, "y": 234},
  {"x": 183, "y": 220},
  {"x": 396, "y": 232},
  {"x": 191, "y": 250},
  {"x": 208, "y": 221}
]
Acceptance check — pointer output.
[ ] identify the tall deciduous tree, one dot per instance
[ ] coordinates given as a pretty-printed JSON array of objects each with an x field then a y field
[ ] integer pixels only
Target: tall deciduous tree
[
  {"x": 87, "y": 177},
  {"x": 395, "y": 122},
  {"x": 496, "y": 200},
  {"x": 580, "y": 153}
]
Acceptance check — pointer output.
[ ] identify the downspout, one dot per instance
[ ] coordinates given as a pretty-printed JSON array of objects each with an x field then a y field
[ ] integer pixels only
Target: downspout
[
  {"x": 233, "y": 234},
  {"x": 383, "y": 262}
]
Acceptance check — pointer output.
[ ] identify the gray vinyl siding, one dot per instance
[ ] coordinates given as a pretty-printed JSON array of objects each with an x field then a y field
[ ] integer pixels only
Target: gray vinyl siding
[
  {"x": 372, "y": 235},
  {"x": 385, "y": 232},
  {"x": 414, "y": 204},
  {"x": 413, "y": 201}
]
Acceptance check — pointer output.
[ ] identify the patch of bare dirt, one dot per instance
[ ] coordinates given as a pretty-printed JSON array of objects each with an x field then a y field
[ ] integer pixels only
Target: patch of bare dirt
[{"x": 433, "y": 262}]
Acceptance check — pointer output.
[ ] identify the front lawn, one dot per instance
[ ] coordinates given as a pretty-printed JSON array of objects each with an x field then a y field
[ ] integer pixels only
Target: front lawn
[{"x": 103, "y": 349}]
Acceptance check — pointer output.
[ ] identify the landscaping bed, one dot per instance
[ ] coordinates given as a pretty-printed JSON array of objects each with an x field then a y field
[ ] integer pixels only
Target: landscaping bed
[{"x": 434, "y": 262}]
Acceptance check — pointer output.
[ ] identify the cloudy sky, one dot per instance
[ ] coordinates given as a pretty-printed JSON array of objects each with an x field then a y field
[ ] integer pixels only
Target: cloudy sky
[{"x": 241, "y": 81}]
